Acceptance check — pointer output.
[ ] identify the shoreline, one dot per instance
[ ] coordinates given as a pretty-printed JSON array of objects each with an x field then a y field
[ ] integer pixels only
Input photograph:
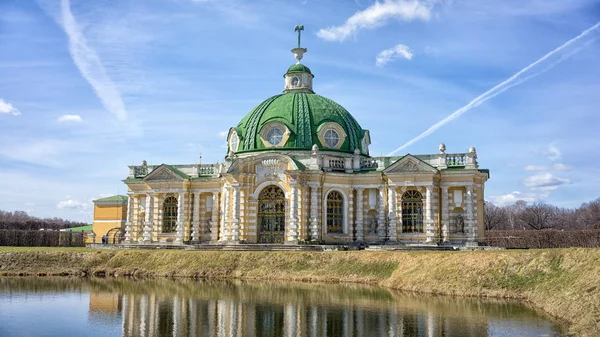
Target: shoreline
[{"x": 564, "y": 283}]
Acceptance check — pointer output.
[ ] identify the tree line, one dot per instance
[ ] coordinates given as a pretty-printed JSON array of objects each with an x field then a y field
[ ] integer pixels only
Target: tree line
[
  {"x": 539, "y": 215},
  {"x": 22, "y": 221}
]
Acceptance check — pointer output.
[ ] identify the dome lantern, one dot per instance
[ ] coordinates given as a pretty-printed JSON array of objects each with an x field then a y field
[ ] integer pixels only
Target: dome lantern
[{"x": 298, "y": 77}]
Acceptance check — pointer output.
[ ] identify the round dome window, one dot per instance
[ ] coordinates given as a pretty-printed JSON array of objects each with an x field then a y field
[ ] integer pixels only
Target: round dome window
[
  {"x": 274, "y": 136},
  {"x": 331, "y": 138}
]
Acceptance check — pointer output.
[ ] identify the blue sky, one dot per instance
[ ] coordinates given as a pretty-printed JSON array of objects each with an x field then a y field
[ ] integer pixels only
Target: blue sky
[{"x": 89, "y": 87}]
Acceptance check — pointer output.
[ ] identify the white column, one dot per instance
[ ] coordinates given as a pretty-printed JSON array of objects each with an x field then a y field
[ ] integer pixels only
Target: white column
[
  {"x": 392, "y": 236},
  {"x": 224, "y": 235},
  {"x": 156, "y": 224},
  {"x": 235, "y": 222},
  {"x": 314, "y": 213},
  {"x": 148, "y": 220},
  {"x": 399, "y": 210},
  {"x": 381, "y": 221},
  {"x": 242, "y": 216},
  {"x": 293, "y": 233},
  {"x": 214, "y": 231},
  {"x": 360, "y": 231},
  {"x": 445, "y": 224},
  {"x": 196, "y": 219},
  {"x": 128, "y": 222},
  {"x": 180, "y": 208},
  {"x": 428, "y": 214},
  {"x": 471, "y": 229}
]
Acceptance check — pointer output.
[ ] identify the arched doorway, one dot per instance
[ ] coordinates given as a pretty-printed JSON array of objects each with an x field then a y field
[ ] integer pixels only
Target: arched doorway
[
  {"x": 412, "y": 212},
  {"x": 271, "y": 215}
]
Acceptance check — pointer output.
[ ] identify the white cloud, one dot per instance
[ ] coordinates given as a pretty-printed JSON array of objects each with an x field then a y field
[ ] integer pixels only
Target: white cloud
[
  {"x": 555, "y": 167},
  {"x": 69, "y": 118},
  {"x": 398, "y": 51},
  {"x": 536, "y": 168},
  {"x": 90, "y": 66},
  {"x": 511, "y": 198},
  {"x": 7, "y": 108},
  {"x": 376, "y": 15},
  {"x": 545, "y": 181},
  {"x": 223, "y": 134},
  {"x": 562, "y": 167},
  {"x": 71, "y": 204},
  {"x": 552, "y": 152}
]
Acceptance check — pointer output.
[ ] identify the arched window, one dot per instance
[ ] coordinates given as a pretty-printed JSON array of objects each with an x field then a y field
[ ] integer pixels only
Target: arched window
[
  {"x": 412, "y": 212},
  {"x": 335, "y": 212},
  {"x": 169, "y": 215}
]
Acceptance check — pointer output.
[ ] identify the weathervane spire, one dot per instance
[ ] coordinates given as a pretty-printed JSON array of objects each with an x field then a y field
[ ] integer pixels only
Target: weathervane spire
[
  {"x": 299, "y": 28},
  {"x": 299, "y": 51}
]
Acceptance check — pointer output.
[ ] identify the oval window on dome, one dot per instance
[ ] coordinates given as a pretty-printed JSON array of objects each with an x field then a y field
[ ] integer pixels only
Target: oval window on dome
[
  {"x": 234, "y": 141},
  {"x": 331, "y": 137},
  {"x": 295, "y": 81},
  {"x": 274, "y": 136}
]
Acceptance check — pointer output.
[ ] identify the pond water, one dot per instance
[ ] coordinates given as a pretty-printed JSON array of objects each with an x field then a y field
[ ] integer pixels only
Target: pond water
[{"x": 163, "y": 307}]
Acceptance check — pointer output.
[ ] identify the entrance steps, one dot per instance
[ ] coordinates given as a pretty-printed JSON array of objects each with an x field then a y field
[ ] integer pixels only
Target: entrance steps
[{"x": 266, "y": 247}]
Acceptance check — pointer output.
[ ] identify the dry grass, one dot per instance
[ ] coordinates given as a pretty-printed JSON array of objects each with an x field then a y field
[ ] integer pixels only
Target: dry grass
[{"x": 563, "y": 282}]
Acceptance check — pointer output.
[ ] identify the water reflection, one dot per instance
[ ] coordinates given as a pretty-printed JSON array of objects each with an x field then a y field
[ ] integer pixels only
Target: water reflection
[{"x": 198, "y": 308}]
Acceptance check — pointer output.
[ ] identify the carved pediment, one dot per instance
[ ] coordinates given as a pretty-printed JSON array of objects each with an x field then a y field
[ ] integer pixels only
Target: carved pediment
[
  {"x": 163, "y": 173},
  {"x": 410, "y": 164}
]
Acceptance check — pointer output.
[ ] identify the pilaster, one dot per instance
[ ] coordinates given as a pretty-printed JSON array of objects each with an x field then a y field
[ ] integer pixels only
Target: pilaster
[
  {"x": 128, "y": 227},
  {"x": 214, "y": 230},
  {"x": 224, "y": 234},
  {"x": 445, "y": 221},
  {"x": 196, "y": 218},
  {"x": 180, "y": 210},
  {"x": 147, "y": 236},
  {"x": 293, "y": 232},
  {"x": 360, "y": 231},
  {"x": 472, "y": 229},
  {"x": 429, "y": 228},
  {"x": 235, "y": 221},
  {"x": 392, "y": 236},
  {"x": 314, "y": 213},
  {"x": 381, "y": 230}
]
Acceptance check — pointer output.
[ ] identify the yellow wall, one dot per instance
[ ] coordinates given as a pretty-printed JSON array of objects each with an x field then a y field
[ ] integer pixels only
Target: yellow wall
[
  {"x": 107, "y": 217},
  {"x": 110, "y": 212}
]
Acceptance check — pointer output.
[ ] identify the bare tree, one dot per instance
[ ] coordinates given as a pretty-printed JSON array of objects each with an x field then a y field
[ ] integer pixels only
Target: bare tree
[
  {"x": 513, "y": 213},
  {"x": 494, "y": 217},
  {"x": 538, "y": 216},
  {"x": 588, "y": 215}
]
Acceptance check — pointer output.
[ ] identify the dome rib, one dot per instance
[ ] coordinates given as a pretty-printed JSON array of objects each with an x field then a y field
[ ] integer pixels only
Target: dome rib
[
  {"x": 304, "y": 130},
  {"x": 254, "y": 120},
  {"x": 303, "y": 114},
  {"x": 351, "y": 124}
]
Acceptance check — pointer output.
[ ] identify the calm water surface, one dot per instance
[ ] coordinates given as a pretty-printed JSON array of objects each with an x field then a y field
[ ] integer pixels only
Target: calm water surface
[{"x": 116, "y": 307}]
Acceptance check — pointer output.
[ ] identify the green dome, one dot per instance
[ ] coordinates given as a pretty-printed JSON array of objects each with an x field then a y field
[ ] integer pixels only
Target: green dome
[
  {"x": 298, "y": 68},
  {"x": 304, "y": 115}
]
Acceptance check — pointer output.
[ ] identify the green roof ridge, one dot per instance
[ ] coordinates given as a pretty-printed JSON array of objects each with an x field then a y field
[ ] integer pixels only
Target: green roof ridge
[
  {"x": 298, "y": 68},
  {"x": 174, "y": 169},
  {"x": 113, "y": 198}
]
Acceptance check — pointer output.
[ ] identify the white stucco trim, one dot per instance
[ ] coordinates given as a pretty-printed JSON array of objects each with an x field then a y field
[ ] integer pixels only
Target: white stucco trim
[
  {"x": 324, "y": 212},
  {"x": 266, "y": 183}
]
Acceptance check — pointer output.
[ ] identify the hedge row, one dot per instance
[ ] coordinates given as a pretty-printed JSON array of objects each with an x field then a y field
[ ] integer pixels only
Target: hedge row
[
  {"x": 37, "y": 238},
  {"x": 587, "y": 238}
]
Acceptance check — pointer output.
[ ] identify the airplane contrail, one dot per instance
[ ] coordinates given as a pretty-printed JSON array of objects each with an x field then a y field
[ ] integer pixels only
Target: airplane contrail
[
  {"x": 503, "y": 86},
  {"x": 90, "y": 66}
]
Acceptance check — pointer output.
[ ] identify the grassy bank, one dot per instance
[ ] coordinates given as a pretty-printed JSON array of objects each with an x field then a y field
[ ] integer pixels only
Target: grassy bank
[{"x": 563, "y": 282}]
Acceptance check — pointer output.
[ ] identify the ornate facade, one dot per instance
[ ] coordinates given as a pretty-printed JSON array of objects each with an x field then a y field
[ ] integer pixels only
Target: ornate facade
[{"x": 298, "y": 170}]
